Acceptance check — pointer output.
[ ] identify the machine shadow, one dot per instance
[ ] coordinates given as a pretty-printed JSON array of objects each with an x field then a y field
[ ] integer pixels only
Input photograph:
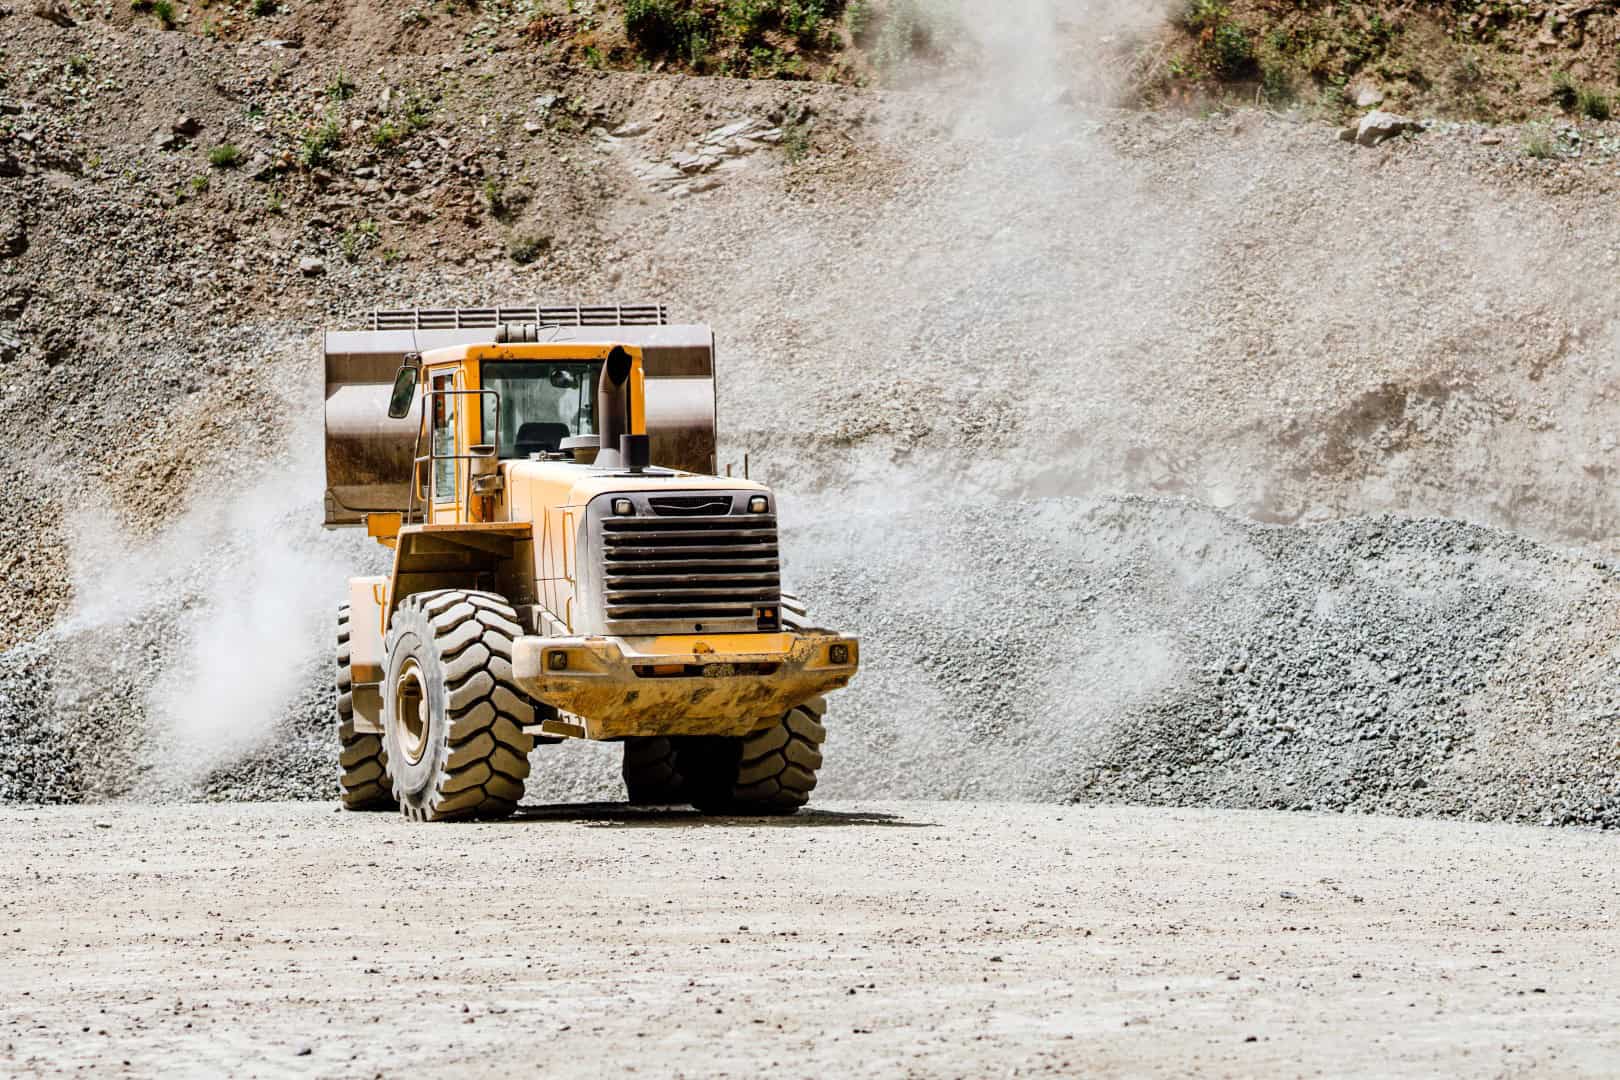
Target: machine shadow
[{"x": 624, "y": 815}]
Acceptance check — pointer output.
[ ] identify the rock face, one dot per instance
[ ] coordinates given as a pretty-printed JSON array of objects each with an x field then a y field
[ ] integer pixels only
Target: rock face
[
  {"x": 1377, "y": 126},
  {"x": 722, "y": 149}
]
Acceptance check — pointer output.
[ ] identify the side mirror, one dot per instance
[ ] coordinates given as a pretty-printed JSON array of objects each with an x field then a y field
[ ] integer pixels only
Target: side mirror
[{"x": 399, "y": 402}]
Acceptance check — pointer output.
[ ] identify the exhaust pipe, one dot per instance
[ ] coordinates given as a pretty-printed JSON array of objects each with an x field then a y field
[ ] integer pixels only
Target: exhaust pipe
[{"x": 612, "y": 405}]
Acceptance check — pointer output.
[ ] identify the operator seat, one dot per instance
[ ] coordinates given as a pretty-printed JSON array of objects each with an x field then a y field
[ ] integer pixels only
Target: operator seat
[{"x": 536, "y": 436}]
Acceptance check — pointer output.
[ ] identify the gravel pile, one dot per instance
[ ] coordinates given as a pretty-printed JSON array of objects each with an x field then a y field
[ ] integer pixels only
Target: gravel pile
[
  {"x": 39, "y": 760},
  {"x": 1158, "y": 651}
]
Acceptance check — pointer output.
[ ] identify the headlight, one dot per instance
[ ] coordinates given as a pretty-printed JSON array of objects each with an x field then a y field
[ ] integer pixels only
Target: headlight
[
  {"x": 758, "y": 504},
  {"x": 623, "y": 507}
]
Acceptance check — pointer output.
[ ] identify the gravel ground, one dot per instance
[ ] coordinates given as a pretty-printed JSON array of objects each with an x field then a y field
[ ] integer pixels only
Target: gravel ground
[{"x": 886, "y": 939}]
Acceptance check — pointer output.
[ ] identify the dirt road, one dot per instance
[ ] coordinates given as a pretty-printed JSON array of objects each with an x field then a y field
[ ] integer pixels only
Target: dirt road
[{"x": 910, "y": 939}]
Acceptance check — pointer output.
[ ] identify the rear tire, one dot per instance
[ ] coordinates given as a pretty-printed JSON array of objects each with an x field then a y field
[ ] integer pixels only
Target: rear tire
[
  {"x": 771, "y": 771},
  {"x": 452, "y": 716},
  {"x": 362, "y": 761},
  {"x": 651, "y": 777}
]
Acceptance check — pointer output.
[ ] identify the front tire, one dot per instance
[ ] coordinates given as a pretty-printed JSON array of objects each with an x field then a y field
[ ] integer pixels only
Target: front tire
[
  {"x": 453, "y": 718},
  {"x": 769, "y": 772}
]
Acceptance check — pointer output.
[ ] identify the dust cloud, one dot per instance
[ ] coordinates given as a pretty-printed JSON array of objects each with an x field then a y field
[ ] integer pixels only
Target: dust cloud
[
  {"x": 990, "y": 297},
  {"x": 205, "y": 631}
]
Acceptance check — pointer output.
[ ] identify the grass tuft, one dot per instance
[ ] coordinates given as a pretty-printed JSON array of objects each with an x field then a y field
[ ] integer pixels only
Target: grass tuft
[
  {"x": 225, "y": 156},
  {"x": 1540, "y": 143},
  {"x": 320, "y": 142},
  {"x": 1594, "y": 104}
]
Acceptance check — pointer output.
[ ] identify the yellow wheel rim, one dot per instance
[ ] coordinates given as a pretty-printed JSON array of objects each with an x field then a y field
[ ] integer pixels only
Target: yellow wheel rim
[{"x": 411, "y": 709}]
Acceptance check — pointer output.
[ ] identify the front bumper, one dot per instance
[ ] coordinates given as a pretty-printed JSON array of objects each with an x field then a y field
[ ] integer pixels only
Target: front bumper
[{"x": 718, "y": 684}]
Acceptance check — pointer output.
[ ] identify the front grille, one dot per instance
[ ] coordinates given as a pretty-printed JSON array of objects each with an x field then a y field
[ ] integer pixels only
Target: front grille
[{"x": 689, "y": 573}]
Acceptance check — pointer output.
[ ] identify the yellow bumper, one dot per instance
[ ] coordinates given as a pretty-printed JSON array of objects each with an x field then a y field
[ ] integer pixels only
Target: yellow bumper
[{"x": 722, "y": 684}]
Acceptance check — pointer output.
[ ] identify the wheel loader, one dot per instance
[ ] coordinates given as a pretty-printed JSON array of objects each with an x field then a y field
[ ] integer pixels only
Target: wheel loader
[{"x": 566, "y": 564}]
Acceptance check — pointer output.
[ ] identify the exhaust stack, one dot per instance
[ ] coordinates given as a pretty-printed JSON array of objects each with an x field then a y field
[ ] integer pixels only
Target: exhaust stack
[{"x": 612, "y": 401}]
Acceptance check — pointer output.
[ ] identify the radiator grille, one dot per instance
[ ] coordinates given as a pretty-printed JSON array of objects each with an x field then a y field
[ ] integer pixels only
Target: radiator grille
[{"x": 683, "y": 572}]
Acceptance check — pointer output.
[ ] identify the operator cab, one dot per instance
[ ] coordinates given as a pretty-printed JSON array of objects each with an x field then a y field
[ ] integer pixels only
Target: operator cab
[{"x": 542, "y": 402}]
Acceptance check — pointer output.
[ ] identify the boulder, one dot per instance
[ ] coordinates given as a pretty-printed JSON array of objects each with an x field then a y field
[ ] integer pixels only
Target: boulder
[
  {"x": 55, "y": 11},
  {"x": 262, "y": 167},
  {"x": 13, "y": 235},
  {"x": 1378, "y": 126}
]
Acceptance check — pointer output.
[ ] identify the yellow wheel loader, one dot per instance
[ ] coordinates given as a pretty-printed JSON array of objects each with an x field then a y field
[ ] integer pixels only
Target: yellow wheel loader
[{"x": 549, "y": 581}]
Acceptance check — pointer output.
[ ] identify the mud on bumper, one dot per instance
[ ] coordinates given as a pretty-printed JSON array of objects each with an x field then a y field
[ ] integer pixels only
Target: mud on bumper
[{"x": 681, "y": 686}]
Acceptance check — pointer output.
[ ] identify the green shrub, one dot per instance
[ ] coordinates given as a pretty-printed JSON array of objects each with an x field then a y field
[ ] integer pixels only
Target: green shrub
[
  {"x": 1594, "y": 104},
  {"x": 162, "y": 10},
  {"x": 666, "y": 27},
  {"x": 1276, "y": 85},
  {"x": 264, "y": 7},
  {"x": 225, "y": 156},
  {"x": 525, "y": 247},
  {"x": 1196, "y": 16},
  {"x": 387, "y": 134},
  {"x": 417, "y": 111},
  {"x": 801, "y": 18},
  {"x": 341, "y": 88},
  {"x": 1230, "y": 50},
  {"x": 1564, "y": 90},
  {"x": 357, "y": 240},
  {"x": 1467, "y": 73}
]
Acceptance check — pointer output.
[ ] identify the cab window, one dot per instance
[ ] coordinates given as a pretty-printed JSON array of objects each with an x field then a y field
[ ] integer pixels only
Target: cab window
[
  {"x": 542, "y": 403},
  {"x": 444, "y": 440}
]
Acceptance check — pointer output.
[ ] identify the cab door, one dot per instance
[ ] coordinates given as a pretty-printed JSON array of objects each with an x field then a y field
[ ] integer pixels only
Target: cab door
[{"x": 444, "y": 470}]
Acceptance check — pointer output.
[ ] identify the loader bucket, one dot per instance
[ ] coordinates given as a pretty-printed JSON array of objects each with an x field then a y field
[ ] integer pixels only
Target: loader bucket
[{"x": 368, "y": 455}]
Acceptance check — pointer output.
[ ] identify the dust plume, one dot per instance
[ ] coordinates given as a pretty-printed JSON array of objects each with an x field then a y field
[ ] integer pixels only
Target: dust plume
[
  {"x": 191, "y": 644},
  {"x": 989, "y": 294}
]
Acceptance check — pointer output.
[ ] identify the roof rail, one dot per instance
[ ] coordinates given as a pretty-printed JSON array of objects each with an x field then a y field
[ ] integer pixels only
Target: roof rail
[{"x": 491, "y": 317}]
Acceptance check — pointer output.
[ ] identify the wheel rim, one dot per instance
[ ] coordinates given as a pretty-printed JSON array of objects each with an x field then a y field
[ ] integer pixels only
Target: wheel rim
[{"x": 410, "y": 707}]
